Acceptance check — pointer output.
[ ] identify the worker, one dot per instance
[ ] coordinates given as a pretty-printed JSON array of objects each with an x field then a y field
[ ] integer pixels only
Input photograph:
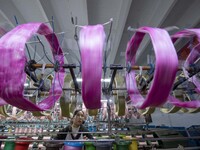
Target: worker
[{"x": 76, "y": 126}]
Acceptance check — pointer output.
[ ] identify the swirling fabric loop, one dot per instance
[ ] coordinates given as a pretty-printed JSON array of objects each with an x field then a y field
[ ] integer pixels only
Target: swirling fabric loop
[
  {"x": 193, "y": 56},
  {"x": 12, "y": 63},
  {"x": 165, "y": 71}
]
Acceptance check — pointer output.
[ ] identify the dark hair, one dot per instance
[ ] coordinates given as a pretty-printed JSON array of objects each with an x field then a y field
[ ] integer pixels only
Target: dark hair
[{"x": 76, "y": 112}]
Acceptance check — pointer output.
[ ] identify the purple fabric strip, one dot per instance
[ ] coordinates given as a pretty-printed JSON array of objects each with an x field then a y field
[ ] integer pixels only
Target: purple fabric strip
[
  {"x": 165, "y": 71},
  {"x": 2, "y": 102},
  {"x": 188, "y": 104},
  {"x": 193, "y": 56},
  {"x": 91, "y": 42},
  {"x": 12, "y": 63}
]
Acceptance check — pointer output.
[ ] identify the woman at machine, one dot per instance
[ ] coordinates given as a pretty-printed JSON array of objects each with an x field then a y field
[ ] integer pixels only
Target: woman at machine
[{"x": 72, "y": 130}]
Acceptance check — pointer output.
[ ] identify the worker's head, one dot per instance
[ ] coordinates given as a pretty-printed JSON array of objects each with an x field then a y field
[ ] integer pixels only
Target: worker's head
[{"x": 78, "y": 117}]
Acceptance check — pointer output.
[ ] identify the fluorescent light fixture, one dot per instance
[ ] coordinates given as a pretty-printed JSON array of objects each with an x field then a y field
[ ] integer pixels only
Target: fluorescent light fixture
[
  {"x": 105, "y": 100},
  {"x": 79, "y": 80},
  {"x": 28, "y": 95},
  {"x": 26, "y": 84},
  {"x": 105, "y": 80},
  {"x": 102, "y": 80},
  {"x": 35, "y": 137}
]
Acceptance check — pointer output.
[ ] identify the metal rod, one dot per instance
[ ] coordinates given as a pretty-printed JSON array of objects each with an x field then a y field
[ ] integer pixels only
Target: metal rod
[
  {"x": 115, "y": 68},
  {"x": 18, "y": 140},
  {"x": 60, "y": 33},
  {"x": 109, "y": 119},
  {"x": 74, "y": 66},
  {"x": 49, "y": 133},
  {"x": 28, "y": 51},
  {"x": 52, "y": 66},
  {"x": 101, "y": 140},
  {"x": 64, "y": 89},
  {"x": 138, "y": 67},
  {"x": 74, "y": 80},
  {"x": 48, "y": 21},
  {"x": 30, "y": 74},
  {"x": 111, "y": 20},
  {"x": 33, "y": 42},
  {"x": 170, "y": 28}
]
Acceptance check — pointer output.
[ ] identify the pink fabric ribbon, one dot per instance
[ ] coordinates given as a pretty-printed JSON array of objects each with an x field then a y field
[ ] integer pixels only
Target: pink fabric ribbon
[
  {"x": 12, "y": 63},
  {"x": 193, "y": 56},
  {"x": 189, "y": 104},
  {"x": 165, "y": 71},
  {"x": 91, "y": 44}
]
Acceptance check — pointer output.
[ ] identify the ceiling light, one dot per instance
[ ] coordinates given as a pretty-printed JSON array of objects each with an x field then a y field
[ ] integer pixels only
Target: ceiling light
[
  {"x": 105, "y": 80},
  {"x": 79, "y": 80},
  {"x": 26, "y": 84},
  {"x": 105, "y": 100}
]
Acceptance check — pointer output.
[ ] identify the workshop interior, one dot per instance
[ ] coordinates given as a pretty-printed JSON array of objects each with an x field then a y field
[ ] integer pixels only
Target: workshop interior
[{"x": 126, "y": 71}]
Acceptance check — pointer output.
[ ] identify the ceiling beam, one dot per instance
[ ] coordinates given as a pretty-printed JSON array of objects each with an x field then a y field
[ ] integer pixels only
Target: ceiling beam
[
  {"x": 155, "y": 20},
  {"x": 189, "y": 18},
  {"x": 5, "y": 22},
  {"x": 65, "y": 12},
  {"x": 33, "y": 11},
  {"x": 143, "y": 13},
  {"x": 119, "y": 28}
]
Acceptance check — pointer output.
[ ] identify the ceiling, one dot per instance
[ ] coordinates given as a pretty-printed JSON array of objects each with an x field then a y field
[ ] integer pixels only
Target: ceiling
[{"x": 125, "y": 13}]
